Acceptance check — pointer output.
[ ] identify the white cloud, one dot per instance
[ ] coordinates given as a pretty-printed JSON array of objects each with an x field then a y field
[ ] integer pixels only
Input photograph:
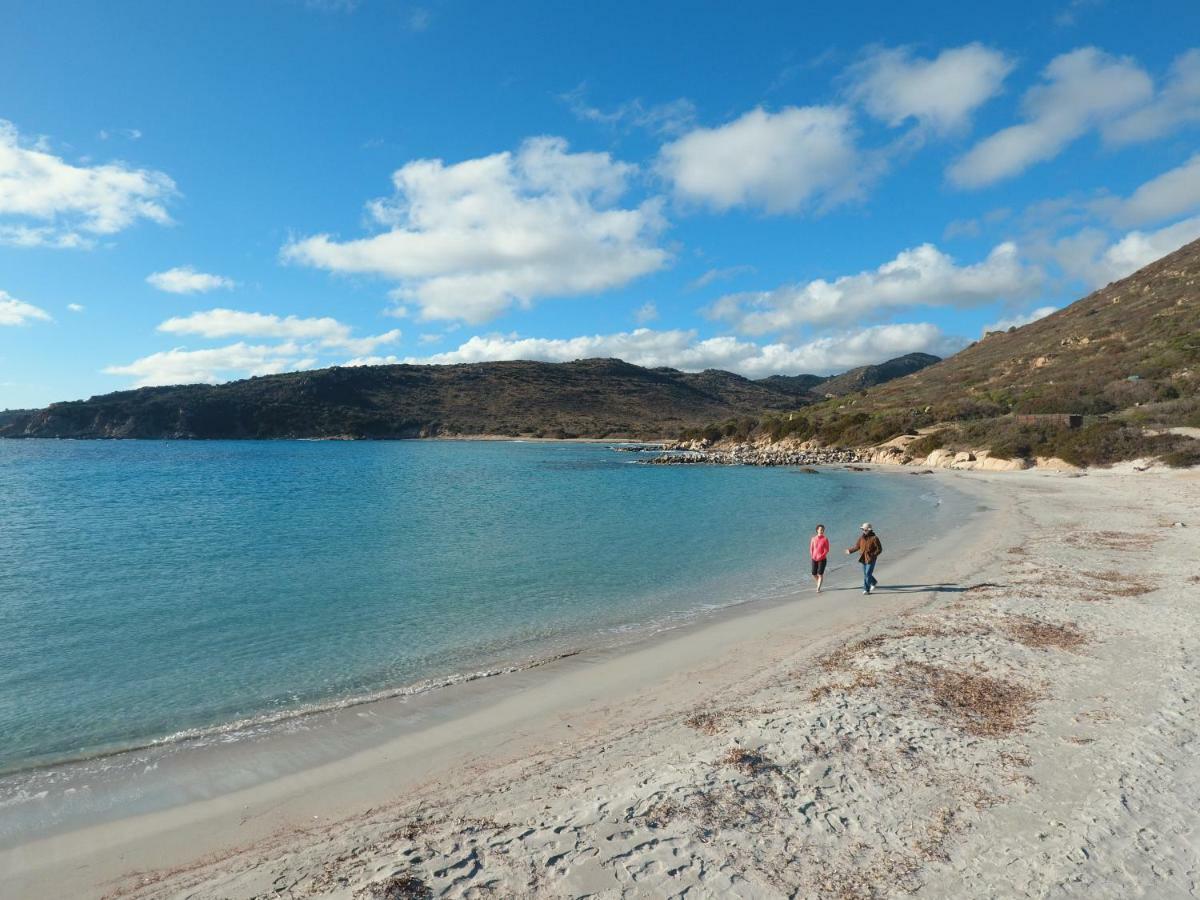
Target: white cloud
[
  {"x": 680, "y": 349},
  {"x": 18, "y": 312},
  {"x": 1176, "y": 105},
  {"x": 470, "y": 240},
  {"x": 76, "y": 307},
  {"x": 1170, "y": 194},
  {"x": 920, "y": 276},
  {"x": 390, "y": 360},
  {"x": 240, "y": 360},
  {"x": 1017, "y": 321},
  {"x": 1089, "y": 256},
  {"x": 78, "y": 203},
  {"x": 780, "y": 162},
  {"x": 1080, "y": 90},
  {"x": 324, "y": 332},
  {"x": 130, "y": 134},
  {"x": 720, "y": 275},
  {"x": 430, "y": 337},
  {"x": 670, "y": 118},
  {"x": 940, "y": 93},
  {"x": 186, "y": 280},
  {"x": 647, "y": 312}
]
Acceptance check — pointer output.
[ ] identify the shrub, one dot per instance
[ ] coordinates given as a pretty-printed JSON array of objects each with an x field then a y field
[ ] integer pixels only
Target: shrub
[
  {"x": 926, "y": 444},
  {"x": 1186, "y": 456}
]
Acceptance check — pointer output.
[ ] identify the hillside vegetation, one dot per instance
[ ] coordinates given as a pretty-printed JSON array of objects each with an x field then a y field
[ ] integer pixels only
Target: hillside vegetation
[
  {"x": 587, "y": 398},
  {"x": 1126, "y": 357}
]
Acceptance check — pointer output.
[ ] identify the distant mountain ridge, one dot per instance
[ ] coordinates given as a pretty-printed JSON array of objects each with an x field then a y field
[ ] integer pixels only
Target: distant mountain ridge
[{"x": 586, "y": 398}]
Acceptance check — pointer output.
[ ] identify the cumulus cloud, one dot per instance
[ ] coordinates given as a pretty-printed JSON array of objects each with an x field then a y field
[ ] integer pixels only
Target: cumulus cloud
[
  {"x": 939, "y": 94},
  {"x": 71, "y": 205},
  {"x": 240, "y": 360},
  {"x": 681, "y": 349},
  {"x": 468, "y": 241},
  {"x": 1170, "y": 194},
  {"x": 76, "y": 307},
  {"x": 780, "y": 162},
  {"x": 186, "y": 280},
  {"x": 1080, "y": 90},
  {"x": 920, "y": 276},
  {"x": 323, "y": 332},
  {"x": 1176, "y": 105},
  {"x": 1089, "y": 256},
  {"x": 1017, "y": 321},
  {"x": 18, "y": 312}
]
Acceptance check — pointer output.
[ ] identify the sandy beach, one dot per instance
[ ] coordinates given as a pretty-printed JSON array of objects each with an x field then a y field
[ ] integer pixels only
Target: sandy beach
[{"x": 1011, "y": 715}]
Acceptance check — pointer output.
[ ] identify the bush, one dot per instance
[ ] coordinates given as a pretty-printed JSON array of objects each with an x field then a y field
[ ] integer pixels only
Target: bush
[
  {"x": 926, "y": 444},
  {"x": 1186, "y": 456}
]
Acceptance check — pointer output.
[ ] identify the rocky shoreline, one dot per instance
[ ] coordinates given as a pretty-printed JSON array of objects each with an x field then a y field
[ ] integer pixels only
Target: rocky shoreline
[
  {"x": 686, "y": 453},
  {"x": 750, "y": 455}
]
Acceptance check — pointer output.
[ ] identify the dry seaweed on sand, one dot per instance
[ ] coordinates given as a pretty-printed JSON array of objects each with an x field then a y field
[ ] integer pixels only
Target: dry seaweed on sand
[
  {"x": 1118, "y": 584},
  {"x": 1112, "y": 540},
  {"x": 750, "y": 762},
  {"x": 978, "y": 704},
  {"x": 860, "y": 680},
  {"x": 398, "y": 887},
  {"x": 843, "y": 656},
  {"x": 1037, "y": 633},
  {"x": 706, "y": 721}
]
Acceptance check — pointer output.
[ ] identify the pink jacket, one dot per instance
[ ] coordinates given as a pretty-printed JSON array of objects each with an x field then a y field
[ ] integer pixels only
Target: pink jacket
[{"x": 818, "y": 547}]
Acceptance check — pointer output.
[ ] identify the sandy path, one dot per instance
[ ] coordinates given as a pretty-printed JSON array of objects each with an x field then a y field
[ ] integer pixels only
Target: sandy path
[{"x": 1028, "y": 730}]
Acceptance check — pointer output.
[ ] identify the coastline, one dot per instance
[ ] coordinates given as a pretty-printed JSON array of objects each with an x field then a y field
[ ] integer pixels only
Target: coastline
[
  {"x": 438, "y": 715},
  {"x": 593, "y": 743}
]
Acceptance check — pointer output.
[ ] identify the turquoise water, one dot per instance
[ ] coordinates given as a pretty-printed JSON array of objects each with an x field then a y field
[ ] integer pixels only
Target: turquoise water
[{"x": 160, "y": 591}]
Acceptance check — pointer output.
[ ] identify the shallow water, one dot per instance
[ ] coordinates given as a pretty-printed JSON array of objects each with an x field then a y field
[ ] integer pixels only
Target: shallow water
[{"x": 153, "y": 592}]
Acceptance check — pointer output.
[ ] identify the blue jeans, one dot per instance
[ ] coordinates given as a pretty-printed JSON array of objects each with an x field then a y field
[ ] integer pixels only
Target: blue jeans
[{"x": 869, "y": 575}]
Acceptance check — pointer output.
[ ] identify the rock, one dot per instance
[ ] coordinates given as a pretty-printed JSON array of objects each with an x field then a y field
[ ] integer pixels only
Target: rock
[
  {"x": 940, "y": 458},
  {"x": 1054, "y": 464},
  {"x": 991, "y": 464}
]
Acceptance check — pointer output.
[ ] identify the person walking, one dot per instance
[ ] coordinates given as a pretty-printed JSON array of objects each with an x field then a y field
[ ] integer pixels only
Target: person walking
[
  {"x": 868, "y": 549},
  {"x": 818, "y": 549}
]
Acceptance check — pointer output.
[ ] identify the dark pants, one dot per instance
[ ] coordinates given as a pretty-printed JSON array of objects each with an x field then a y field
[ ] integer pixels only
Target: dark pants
[{"x": 869, "y": 575}]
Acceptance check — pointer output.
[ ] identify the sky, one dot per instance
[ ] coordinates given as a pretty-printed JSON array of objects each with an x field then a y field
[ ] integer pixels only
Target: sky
[{"x": 198, "y": 192}]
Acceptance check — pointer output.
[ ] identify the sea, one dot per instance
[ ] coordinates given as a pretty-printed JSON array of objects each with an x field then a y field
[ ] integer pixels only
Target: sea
[{"x": 159, "y": 596}]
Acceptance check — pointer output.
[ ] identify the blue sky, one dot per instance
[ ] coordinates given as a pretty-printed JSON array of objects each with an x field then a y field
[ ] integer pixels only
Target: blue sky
[{"x": 200, "y": 192}]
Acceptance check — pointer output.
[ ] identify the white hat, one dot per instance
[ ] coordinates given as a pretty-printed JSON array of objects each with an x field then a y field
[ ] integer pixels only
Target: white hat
[{"x": 866, "y": 526}]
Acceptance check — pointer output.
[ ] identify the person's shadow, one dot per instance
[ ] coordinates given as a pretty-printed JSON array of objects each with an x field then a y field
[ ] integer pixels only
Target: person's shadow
[{"x": 940, "y": 588}]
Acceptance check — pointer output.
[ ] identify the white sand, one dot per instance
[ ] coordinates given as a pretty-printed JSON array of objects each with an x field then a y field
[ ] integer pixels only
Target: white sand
[{"x": 913, "y": 742}]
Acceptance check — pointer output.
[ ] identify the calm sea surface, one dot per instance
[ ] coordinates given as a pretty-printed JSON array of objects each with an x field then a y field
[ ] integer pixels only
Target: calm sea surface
[{"x": 165, "y": 591}]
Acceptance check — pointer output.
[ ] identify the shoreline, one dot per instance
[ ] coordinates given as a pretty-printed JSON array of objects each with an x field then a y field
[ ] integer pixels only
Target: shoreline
[
  {"x": 445, "y": 707},
  {"x": 149, "y": 752},
  {"x": 1009, "y": 714}
]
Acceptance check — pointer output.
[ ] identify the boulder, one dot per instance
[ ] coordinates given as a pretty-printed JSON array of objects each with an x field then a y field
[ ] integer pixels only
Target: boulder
[
  {"x": 941, "y": 458},
  {"x": 991, "y": 464}
]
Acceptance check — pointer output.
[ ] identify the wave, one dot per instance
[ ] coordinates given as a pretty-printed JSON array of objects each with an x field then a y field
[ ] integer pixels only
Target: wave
[{"x": 257, "y": 724}]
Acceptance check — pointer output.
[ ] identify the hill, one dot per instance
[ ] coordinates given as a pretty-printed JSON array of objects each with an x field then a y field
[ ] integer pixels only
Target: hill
[
  {"x": 586, "y": 398},
  {"x": 869, "y": 376},
  {"x": 819, "y": 387},
  {"x": 1126, "y": 358}
]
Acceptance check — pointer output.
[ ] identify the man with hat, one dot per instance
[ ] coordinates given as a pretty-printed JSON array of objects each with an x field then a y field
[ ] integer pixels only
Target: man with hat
[{"x": 868, "y": 549}]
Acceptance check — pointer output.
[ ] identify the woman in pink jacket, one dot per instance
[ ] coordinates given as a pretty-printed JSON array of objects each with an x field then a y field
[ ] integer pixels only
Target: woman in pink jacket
[{"x": 818, "y": 549}]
